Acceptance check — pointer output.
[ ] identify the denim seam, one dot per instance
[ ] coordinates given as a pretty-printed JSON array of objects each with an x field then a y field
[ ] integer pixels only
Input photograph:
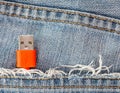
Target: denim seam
[
  {"x": 25, "y": 78},
  {"x": 64, "y": 21},
  {"x": 59, "y": 10},
  {"x": 59, "y": 87},
  {"x": 67, "y": 16}
]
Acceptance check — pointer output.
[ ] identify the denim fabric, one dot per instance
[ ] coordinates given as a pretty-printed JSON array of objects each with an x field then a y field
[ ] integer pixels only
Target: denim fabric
[
  {"x": 59, "y": 85},
  {"x": 109, "y": 8},
  {"x": 62, "y": 37}
]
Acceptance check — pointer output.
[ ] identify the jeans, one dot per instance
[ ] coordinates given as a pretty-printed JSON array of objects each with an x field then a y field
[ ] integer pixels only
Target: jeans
[{"x": 65, "y": 33}]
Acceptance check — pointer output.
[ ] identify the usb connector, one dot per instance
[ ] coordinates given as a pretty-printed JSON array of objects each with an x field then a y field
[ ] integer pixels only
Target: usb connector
[
  {"x": 26, "y": 42},
  {"x": 26, "y": 55}
]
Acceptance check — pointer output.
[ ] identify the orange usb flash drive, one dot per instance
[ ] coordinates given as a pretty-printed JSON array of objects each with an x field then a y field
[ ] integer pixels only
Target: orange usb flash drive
[{"x": 26, "y": 55}]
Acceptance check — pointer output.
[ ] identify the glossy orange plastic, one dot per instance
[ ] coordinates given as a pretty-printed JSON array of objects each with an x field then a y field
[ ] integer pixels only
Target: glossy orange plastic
[{"x": 26, "y": 59}]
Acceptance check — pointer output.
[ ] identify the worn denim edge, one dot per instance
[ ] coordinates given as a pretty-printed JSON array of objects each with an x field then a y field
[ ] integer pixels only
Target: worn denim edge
[
  {"x": 61, "y": 87},
  {"x": 59, "y": 83}
]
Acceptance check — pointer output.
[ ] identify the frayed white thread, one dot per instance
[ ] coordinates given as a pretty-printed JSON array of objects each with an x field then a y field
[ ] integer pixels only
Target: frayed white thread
[
  {"x": 36, "y": 71},
  {"x": 81, "y": 68},
  {"x": 29, "y": 73},
  {"x": 85, "y": 68},
  {"x": 23, "y": 72},
  {"x": 6, "y": 72},
  {"x": 89, "y": 68},
  {"x": 3, "y": 73},
  {"x": 101, "y": 68},
  {"x": 77, "y": 65},
  {"x": 55, "y": 73}
]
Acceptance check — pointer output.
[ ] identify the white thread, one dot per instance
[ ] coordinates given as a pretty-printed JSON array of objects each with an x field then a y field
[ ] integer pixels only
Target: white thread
[
  {"x": 100, "y": 68},
  {"x": 8, "y": 71},
  {"x": 100, "y": 65},
  {"x": 54, "y": 72},
  {"x": 22, "y": 71},
  {"x": 91, "y": 63},
  {"x": 111, "y": 75},
  {"x": 2, "y": 73},
  {"x": 36, "y": 71},
  {"x": 81, "y": 68},
  {"x": 115, "y": 74},
  {"x": 89, "y": 68},
  {"x": 75, "y": 66}
]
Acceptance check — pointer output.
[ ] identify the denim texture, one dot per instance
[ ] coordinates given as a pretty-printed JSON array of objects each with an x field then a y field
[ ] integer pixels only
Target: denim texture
[
  {"x": 109, "y": 8},
  {"x": 63, "y": 36}
]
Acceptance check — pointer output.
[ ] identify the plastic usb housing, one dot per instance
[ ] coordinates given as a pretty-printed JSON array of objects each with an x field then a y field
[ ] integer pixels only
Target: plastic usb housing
[{"x": 26, "y": 55}]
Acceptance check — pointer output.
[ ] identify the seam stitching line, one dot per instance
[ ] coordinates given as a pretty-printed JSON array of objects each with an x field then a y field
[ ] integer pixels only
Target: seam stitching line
[
  {"x": 57, "y": 78},
  {"x": 59, "y": 87},
  {"x": 66, "y": 16}
]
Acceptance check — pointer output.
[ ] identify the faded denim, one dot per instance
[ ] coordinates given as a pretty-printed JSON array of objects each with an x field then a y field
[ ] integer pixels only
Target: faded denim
[{"x": 65, "y": 33}]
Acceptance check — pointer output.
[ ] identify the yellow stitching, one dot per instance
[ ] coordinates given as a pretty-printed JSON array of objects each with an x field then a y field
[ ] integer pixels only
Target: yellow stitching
[
  {"x": 58, "y": 10},
  {"x": 59, "y": 87},
  {"x": 63, "y": 21}
]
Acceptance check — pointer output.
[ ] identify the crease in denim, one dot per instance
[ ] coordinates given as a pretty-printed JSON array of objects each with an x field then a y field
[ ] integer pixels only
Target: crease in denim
[{"x": 65, "y": 16}]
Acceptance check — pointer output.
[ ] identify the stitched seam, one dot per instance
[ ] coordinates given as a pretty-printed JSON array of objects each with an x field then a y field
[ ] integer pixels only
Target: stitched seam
[
  {"x": 59, "y": 87},
  {"x": 64, "y": 21},
  {"x": 101, "y": 78},
  {"x": 58, "y": 10},
  {"x": 87, "y": 24}
]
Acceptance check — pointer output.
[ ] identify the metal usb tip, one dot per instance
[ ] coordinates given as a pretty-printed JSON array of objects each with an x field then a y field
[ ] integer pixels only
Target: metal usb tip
[{"x": 26, "y": 42}]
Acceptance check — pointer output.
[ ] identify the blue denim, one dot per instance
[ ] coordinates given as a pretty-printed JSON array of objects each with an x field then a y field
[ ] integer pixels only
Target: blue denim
[{"x": 65, "y": 33}]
